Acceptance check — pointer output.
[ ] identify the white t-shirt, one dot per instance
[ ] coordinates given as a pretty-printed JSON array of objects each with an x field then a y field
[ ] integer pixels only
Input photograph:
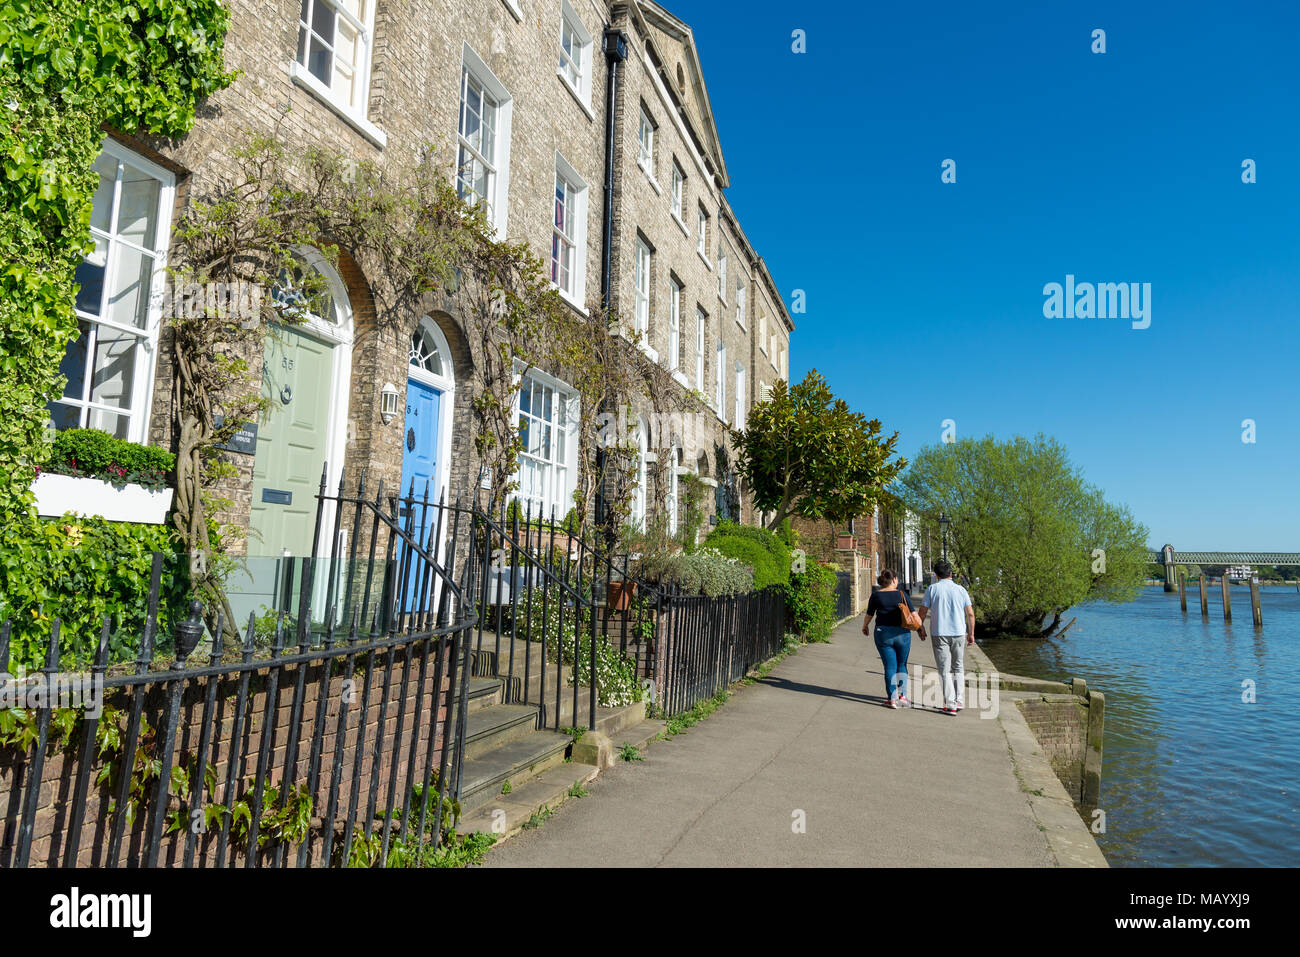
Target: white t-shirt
[{"x": 947, "y": 602}]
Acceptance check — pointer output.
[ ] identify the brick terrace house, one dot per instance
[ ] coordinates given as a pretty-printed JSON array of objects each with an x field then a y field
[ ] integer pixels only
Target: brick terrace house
[{"x": 519, "y": 92}]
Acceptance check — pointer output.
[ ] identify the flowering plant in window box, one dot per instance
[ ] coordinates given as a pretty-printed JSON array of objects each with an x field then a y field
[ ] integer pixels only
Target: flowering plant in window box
[{"x": 92, "y": 473}]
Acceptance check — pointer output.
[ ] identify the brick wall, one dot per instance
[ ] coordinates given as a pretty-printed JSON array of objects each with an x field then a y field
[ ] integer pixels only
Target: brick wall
[{"x": 1060, "y": 724}]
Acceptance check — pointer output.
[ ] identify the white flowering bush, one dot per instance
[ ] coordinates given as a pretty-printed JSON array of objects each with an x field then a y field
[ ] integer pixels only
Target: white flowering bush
[{"x": 616, "y": 682}]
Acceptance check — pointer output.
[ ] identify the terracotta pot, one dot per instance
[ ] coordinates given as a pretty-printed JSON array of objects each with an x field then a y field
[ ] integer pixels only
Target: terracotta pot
[
  {"x": 620, "y": 595},
  {"x": 844, "y": 541}
]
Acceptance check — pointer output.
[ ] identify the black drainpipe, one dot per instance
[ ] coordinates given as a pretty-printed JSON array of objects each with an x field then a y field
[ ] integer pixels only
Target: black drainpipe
[{"x": 615, "y": 53}]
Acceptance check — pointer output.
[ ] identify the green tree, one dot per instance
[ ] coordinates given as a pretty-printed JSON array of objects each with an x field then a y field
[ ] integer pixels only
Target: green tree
[
  {"x": 1029, "y": 535},
  {"x": 805, "y": 452}
]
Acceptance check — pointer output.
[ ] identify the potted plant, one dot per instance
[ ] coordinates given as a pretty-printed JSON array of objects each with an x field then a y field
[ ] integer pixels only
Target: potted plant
[
  {"x": 845, "y": 541},
  {"x": 92, "y": 473}
]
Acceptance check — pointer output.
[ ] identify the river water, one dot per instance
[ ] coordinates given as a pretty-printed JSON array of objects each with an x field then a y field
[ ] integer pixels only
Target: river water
[{"x": 1192, "y": 774}]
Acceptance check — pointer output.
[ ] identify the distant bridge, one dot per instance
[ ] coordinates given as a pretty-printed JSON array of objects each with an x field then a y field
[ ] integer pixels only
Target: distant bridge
[
  {"x": 1167, "y": 556},
  {"x": 1172, "y": 559}
]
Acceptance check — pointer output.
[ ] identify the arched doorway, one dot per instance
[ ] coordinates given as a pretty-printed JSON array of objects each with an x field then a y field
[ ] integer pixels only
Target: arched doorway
[
  {"x": 426, "y": 436},
  {"x": 430, "y": 392},
  {"x": 306, "y": 373}
]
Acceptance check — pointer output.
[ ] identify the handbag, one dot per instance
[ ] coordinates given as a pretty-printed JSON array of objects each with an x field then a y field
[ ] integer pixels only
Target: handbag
[{"x": 911, "y": 620}]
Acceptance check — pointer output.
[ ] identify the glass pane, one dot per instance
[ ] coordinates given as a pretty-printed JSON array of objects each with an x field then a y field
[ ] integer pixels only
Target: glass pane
[
  {"x": 489, "y": 145},
  {"x": 64, "y": 416},
  {"x": 322, "y": 21},
  {"x": 137, "y": 219},
  {"x": 523, "y": 430},
  {"x": 319, "y": 61},
  {"x": 128, "y": 292},
  {"x": 537, "y": 399},
  {"x": 90, "y": 278},
  {"x": 525, "y": 396},
  {"x": 101, "y": 216},
  {"x": 113, "y": 374},
  {"x": 117, "y": 425},
  {"x": 546, "y": 405},
  {"x": 302, "y": 14},
  {"x": 546, "y": 443},
  {"x": 73, "y": 364}
]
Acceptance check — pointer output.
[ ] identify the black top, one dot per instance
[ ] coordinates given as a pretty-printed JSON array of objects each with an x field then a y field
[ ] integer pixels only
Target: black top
[{"x": 884, "y": 605}]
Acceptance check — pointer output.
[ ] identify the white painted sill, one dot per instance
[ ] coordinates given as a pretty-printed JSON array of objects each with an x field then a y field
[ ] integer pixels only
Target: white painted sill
[
  {"x": 680, "y": 379},
  {"x": 581, "y": 309},
  {"x": 575, "y": 93},
  {"x": 515, "y": 11},
  {"x": 303, "y": 78},
  {"x": 680, "y": 225},
  {"x": 659, "y": 190},
  {"x": 704, "y": 258}
]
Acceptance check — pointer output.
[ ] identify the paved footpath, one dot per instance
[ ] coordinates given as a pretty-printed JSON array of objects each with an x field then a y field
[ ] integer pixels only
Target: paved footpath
[{"x": 877, "y": 787}]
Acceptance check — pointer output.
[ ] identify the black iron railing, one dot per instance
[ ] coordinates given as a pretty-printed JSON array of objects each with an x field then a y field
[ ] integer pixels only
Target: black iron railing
[
  {"x": 711, "y": 642},
  {"x": 342, "y": 722},
  {"x": 336, "y": 735}
]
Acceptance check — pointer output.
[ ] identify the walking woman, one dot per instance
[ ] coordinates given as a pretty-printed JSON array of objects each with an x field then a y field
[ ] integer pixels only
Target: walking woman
[{"x": 893, "y": 638}]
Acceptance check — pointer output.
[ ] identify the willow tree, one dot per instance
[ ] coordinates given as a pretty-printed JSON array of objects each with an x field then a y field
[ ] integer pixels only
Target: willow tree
[{"x": 1028, "y": 535}]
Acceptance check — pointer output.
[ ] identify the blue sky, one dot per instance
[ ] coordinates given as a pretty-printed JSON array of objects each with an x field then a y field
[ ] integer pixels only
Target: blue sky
[{"x": 1115, "y": 167}]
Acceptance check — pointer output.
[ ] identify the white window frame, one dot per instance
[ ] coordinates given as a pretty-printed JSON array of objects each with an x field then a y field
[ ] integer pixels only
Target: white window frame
[
  {"x": 641, "y": 288},
  {"x": 762, "y": 330},
  {"x": 640, "y": 496},
  {"x": 559, "y": 484},
  {"x": 722, "y": 272},
  {"x": 678, "y": 191},
  {"x": 140, "y": 403},
  {"x": 498, "y": 198},
  {"x": 720, "y": 382},
  {"x": 739, "y": 421},
  {"x": 645, "y": 139},
  {"x": 670, "y": 500},
  {"x": 701, "y": 331},
  {"x": 741, "y": 298},
  {"x": 565, "y": 173},
  {"x": 674, "y": 323},
  {"x": 355, "y": 110},
  {"x": 702, "y": 240},
  {"x": 581, "y": 43}
]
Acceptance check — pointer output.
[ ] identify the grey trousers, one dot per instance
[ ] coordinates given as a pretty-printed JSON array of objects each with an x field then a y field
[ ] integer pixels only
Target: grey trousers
[{"x": 949, "y": 654}]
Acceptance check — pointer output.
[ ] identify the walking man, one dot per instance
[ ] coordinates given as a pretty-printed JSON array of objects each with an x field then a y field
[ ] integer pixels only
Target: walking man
[{"x": 953, "y": 627}]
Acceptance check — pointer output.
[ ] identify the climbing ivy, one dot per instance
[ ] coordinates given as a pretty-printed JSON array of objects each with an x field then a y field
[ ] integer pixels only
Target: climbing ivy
[{"x": 69, "y": 69}]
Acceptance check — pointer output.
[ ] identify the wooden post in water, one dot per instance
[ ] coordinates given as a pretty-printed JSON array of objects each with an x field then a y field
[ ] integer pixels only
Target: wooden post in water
[
  {"x": 1182, "y": 589},
  {"x": 1256, "y": 612},
  {"x": 1205, "y": 599},
  {"x": 1227, "y": 599}
]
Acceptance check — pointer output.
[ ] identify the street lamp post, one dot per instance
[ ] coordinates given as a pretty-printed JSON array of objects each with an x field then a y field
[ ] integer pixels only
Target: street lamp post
[{"x": 944, "y": 522}]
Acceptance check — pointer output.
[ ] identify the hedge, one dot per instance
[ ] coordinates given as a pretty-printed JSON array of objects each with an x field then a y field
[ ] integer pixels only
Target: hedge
[
  {"x": 78, "y": 570},
  {"x": 811, "y": 598}
]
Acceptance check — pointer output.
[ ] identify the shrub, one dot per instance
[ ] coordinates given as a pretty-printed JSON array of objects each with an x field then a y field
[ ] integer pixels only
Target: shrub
[
  {"x": 78, "y": 570},
  {"x": 705, "y": 572},
  {"x": 811, "y": 597},
  {"x": 96, "y": 454},
  {"x": 737, "y": 541}
]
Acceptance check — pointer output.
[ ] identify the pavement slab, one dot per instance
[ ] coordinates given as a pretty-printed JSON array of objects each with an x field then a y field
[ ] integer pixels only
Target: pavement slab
[{"x": 811, "y": 744}]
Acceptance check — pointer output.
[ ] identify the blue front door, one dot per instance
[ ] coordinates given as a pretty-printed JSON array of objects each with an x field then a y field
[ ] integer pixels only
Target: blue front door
[{"x": 420, "y": 465}]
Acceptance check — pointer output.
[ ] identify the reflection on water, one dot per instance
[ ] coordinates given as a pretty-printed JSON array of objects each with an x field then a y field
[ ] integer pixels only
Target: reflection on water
[{"x": 1192, "y": 774}]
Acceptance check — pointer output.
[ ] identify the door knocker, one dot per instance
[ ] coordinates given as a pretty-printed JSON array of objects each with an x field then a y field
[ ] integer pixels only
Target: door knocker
[
  {"x": 410, "y": 440},
  {"x": 286, "y": 395}
]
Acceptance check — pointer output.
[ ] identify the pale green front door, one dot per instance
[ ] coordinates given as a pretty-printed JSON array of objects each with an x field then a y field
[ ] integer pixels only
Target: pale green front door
[{"x": 291, "y": 443}]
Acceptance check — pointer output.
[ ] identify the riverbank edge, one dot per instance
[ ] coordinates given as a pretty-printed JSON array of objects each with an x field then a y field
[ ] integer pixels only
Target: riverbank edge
[{"x": 1068, "y": 838}]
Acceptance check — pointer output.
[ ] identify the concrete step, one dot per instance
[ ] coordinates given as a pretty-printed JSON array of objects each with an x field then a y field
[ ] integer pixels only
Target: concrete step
[
  {"x": 639, "y": 735},
  {"x": 516, "y": 761},
  {"x": 483, "y": 693},
  {"x": 612, "y": 722},
  {"x": 549, "y": 789},
  {"x": 489, "y": 728}
]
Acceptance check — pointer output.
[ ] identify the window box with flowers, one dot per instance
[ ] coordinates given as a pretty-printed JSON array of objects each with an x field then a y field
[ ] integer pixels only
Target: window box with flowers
[{"x": 93, "y": 474}]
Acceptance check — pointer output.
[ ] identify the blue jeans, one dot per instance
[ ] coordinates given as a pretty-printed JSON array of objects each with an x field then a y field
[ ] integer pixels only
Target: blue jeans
[{"x": 894, "y": 644}]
